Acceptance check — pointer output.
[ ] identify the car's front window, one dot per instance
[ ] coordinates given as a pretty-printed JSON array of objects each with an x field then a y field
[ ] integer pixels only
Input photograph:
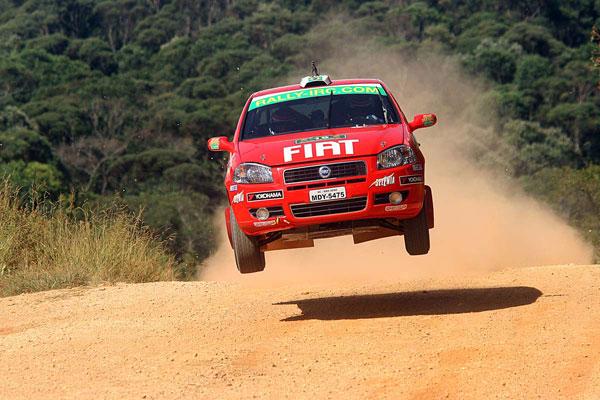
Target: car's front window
[{"x": 318, "y": 108}]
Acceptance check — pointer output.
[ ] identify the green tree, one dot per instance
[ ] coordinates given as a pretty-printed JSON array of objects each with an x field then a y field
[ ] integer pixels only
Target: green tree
[
  {"x": 495, "y": 59},
  {"x": 582, "y": 121},
  {"x": 411, "y": 20},
  {"x": 98, "y": 55},
  {"x": 26, "y": 145},
  {"x": 534, "y": 39},
  {"x": 17, "y": 83},
  {"x": 535, "y": 148},
  {"x": 530, "y": 69},
  {"x": 44, "y": 178}
]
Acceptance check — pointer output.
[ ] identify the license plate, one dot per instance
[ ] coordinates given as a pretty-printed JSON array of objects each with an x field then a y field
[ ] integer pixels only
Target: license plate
[{"x": 335, "y": 193}]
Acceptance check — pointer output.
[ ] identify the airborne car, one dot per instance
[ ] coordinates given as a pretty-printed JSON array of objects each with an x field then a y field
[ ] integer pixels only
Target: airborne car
[{"x": 320, "y": 159}]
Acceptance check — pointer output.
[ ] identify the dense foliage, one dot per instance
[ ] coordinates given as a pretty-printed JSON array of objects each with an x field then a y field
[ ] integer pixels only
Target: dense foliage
[{"x": 117, "y": 97}]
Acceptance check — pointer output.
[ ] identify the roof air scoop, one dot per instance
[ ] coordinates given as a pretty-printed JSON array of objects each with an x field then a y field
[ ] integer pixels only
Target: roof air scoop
[{"x": 315, "y": 79}]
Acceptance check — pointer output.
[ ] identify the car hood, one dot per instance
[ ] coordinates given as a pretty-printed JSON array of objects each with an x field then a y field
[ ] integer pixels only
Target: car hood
[{"x": 328, "y": 144}]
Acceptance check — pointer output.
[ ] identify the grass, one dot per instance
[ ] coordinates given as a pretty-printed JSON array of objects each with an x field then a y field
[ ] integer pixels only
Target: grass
[{"x": 45, "y": 245}]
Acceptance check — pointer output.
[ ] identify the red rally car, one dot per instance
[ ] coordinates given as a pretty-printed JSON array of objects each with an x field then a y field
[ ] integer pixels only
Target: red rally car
[{"x": 321, "y": 159}]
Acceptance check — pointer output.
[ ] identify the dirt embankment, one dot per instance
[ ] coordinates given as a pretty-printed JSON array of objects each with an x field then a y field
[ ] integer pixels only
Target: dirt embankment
[{"x": 526, "y": 333}]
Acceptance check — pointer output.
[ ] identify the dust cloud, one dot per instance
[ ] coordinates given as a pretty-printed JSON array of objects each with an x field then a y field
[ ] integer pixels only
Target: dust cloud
[{"x": 483, "y": 220}]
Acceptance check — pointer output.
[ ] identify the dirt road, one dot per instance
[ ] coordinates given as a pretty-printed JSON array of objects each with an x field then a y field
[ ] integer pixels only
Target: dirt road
[{"x": 526, "y": 333}]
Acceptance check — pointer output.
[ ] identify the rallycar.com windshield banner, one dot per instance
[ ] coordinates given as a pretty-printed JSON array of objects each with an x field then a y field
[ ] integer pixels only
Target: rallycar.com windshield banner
[{"x": 269, "y": 99}]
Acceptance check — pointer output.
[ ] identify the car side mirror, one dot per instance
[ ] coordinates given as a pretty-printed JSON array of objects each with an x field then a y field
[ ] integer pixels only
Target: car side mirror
[
  {"x": 220, "y": 143},
  {"x": 422, "y": 121}
]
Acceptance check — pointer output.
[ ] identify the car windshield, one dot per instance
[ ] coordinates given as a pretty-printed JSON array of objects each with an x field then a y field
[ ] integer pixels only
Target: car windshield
[{"x": 331, "y": 107}]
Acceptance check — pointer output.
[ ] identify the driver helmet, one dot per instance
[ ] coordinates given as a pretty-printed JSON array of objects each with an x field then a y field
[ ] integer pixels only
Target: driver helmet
[
  {"x": 361, "y": 101},
  {"x": 283, "y": 114}
]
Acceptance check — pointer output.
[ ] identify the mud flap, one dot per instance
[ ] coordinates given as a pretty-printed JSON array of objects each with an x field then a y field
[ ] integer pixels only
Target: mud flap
[{"x": 429, "y": 207}]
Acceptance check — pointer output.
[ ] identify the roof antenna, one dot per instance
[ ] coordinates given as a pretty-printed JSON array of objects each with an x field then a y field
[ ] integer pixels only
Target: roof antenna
[{"x": 315, "y": 79}]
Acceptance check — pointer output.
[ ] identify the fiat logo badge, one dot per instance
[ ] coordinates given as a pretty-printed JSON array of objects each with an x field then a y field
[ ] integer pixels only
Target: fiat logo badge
[{"x": 324, "y": 172}]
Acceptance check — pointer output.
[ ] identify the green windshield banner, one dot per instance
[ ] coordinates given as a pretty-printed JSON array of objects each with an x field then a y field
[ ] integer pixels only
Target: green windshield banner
[{"x": 315, "y": 92}]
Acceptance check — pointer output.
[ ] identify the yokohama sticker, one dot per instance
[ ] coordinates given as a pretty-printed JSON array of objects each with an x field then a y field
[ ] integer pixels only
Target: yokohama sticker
[
  {"x": 407, "y": 180},
  {"x": 272, "y": 195}
]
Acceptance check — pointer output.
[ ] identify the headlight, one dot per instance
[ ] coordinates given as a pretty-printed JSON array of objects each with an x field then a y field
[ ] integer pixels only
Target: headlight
[
  {"x": 252, "y": 173},
  {"x": 396, "y": 156}
]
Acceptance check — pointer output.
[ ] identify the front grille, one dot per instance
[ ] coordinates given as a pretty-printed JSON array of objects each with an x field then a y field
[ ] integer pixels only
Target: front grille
[
  {"x": 273, "y": 211},
  {"x": 339, "y": 170},
  {"x": 325, "y": 184},
  {"x": 329, "y": 207}
]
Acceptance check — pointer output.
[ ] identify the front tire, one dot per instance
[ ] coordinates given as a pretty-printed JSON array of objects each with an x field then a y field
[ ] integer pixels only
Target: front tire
[
  {"x": 248, "y": 256},
  {"x": 416, "y": 234}
]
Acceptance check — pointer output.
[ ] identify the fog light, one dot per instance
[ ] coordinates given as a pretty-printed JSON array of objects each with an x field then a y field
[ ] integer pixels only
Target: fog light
[
  {"x": 396, "y": 198},
  {"x": 262, "y": 213}
]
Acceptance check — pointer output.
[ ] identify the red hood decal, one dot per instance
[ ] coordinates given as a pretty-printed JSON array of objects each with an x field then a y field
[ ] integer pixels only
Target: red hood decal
[{"x": 320, "y": 145}]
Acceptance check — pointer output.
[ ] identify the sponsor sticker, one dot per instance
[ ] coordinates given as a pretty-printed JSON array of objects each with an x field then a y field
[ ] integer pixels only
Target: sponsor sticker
[
  {"x": 428, "y": 120},
  {"x": 272, "y": 195},
  {"x": 317, "y": 78},
  {"x": 396, "y": 208},
  {"x": 238, "y": 198},
  {"x": 213, "y": 144},
  {"x": 385, "y": 181},
  {"x": 417, "y": 167},
  {"x": 233, "y": 188},
  {"x": 260, "y": 224},
  {"x": 319, "y": 138},
  {"x": 407, "y": 180},
  {"x": 319, "y": 149},
  {"x": 269, "y": 99}
]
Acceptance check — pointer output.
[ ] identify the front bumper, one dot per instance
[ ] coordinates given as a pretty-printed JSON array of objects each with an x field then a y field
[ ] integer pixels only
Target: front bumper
[{"x": 366, "y": 198}]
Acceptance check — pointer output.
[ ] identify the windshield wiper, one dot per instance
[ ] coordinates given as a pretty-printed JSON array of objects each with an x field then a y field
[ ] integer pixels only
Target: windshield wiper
[
  {"x": 329, "y": 111},
  {"x": 385, "y": 111}
]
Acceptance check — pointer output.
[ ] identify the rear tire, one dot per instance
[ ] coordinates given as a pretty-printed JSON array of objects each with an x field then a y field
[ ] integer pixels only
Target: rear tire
[
  {"x": 248, "y": 256},
  {"x": 416, "y": 234}
]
